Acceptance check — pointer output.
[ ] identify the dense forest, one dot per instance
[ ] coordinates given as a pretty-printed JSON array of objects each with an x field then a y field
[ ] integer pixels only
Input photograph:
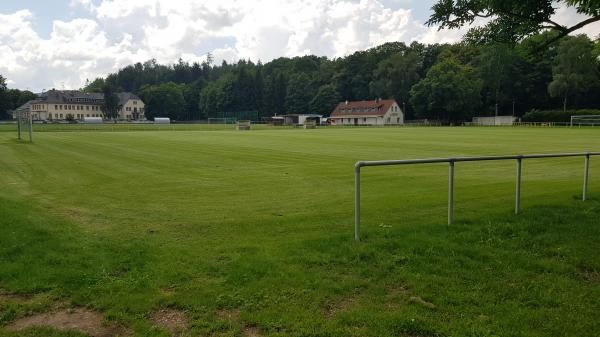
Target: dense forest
[{"x": 449, "y": 82}]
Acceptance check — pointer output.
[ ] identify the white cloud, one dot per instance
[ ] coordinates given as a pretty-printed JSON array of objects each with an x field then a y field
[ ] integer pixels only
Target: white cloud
[{"x": 121, "y": 32}]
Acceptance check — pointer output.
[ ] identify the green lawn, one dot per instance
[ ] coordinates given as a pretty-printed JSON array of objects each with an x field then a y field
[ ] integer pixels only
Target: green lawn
[{"x": 128, "y": 223}]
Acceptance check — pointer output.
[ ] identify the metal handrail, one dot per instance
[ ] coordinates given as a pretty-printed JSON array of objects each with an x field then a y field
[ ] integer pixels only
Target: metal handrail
[{"x": 451, "y": 161}]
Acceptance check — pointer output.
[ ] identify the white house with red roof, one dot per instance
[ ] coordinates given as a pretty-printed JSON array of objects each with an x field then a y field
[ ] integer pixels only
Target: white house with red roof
[{"x": 376, "y": 112}]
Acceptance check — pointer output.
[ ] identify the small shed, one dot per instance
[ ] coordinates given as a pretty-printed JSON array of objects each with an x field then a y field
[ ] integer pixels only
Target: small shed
[
  {"x": 274, "y": 120},
  {"x": 162, "y": 120},
  {"x": 300, "y": 119}
]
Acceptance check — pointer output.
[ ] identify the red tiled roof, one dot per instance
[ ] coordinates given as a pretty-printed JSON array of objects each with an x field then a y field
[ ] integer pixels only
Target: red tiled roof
[{"x": 363, "y": 108}]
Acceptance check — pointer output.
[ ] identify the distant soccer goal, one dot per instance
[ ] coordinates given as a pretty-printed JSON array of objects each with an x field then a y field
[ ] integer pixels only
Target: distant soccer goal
[
  {"x": 585, "y": 120},
  {"x": 243, "y": 125},
  {"x": 24, "y": 125},
  {"x": 222, "y": 120}
]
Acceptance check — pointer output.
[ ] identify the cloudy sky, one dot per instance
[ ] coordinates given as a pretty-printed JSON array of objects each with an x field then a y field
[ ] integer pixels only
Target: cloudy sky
[{"x": 61, "y": 43}]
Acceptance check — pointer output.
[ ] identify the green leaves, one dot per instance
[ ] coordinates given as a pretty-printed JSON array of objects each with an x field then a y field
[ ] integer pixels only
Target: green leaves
[
  {"x": 508, "y": 21},
  {"x": 449, "y": 92},
  {"x": 575, "y": 69}
]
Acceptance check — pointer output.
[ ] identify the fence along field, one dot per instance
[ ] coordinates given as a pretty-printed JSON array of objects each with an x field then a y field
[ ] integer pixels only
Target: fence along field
[{"x": 251, "y": 232}]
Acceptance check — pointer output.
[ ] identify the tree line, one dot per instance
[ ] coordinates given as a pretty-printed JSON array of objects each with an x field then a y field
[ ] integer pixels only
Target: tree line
[
  {"x": 449, "y": 82},
  {"x": 519, "y": 61},
  {"x": 11, "y": 99}
]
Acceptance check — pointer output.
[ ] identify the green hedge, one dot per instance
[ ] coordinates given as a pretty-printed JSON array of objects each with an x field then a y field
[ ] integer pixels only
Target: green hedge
[{"x": 556, "y": 115}]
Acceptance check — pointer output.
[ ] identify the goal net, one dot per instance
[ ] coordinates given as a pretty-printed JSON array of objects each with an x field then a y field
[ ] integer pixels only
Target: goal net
[
  {"x": 585, "y": 120},
  {"x": 24, "y": 125}
]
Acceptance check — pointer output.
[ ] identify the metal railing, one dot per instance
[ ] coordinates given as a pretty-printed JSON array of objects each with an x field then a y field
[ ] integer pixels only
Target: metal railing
[{"x": 451, "y": 161}]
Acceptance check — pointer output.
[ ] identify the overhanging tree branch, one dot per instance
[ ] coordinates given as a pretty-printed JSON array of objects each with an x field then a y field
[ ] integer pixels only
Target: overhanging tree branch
[{"x": 568, "y": 31}]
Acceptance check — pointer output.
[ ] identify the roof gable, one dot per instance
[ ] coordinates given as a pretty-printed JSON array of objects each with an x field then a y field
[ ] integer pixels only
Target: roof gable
[{"x": 376, "y": 107}]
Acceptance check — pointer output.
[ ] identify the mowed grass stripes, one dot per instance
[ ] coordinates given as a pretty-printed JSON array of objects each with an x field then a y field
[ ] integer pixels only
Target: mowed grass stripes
[{"x": 261, "y": 223}]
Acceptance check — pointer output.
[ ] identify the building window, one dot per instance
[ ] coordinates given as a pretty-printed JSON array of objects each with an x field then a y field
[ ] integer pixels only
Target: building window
[
  {"x": 61, "y": 116},
  {"x": 87, "y": 107},
  {"x": 55, "y": 107},
  {"x": 135, "y": 102}
]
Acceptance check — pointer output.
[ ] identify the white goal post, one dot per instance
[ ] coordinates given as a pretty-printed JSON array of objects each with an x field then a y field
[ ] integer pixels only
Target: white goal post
[{"x": 585, "y": 120}]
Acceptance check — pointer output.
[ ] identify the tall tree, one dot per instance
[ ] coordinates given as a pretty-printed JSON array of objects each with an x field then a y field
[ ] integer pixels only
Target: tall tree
[
  {"x": 164, "y": 100},
  {"x": 191, "y": 94},
  {"x": 450, "y": 91},
  {"x": 395, "y": 76},
  {"x": 4, "y": 101},
  {"x": 298, "y": 94},
  {"x": 575, "y": 69},
  {"x": 498, "y": 66},
  {"x": 274, "y": 94},
  {"x": 510, "y": 20},
  {"x": 110, "y": 107},
  {"x": 325, "y": 100}
]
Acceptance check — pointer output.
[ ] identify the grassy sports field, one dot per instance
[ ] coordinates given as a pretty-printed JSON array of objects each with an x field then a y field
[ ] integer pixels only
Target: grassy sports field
[{"x": 251, "y": 233}]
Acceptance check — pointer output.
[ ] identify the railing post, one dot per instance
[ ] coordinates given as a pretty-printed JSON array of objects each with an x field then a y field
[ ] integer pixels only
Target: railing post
[
  {"x": 518, "y": 189},
  {"x": 30, "y": 121},
  {"x": 586, "y": 171},
  {"x": 357, "y": 202},
  {"x": 450, "y": 191},
  {"x": 19, "y": 125}
]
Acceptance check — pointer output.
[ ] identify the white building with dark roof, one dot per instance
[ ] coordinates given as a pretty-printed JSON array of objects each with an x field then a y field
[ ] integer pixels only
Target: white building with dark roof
[
  {"x": 56, "y": 105},
  {"x": 376, "y": 112}
]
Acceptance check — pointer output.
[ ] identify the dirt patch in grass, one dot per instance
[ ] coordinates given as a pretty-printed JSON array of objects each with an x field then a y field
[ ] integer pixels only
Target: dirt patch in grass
[
  {"x": 229, "y": 314},
  {"x": 174, "y": 321},
  {"x": 590, "y": 276},
  {"x": 334, "y": 308},
  {"x": 4, "y": 297},
  {"x": 251, "y": 331},
  {"x": 233, "y": 315},
  {"x": 398, "y": 291},
  {"x": 418, "y": 300},
  {"x": 79, "y": 319}
]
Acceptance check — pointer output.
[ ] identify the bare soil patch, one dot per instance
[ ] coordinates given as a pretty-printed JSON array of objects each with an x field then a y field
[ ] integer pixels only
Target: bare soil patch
[
  {"x": 174, "y": 321},
  {"x": 14, "y": 298},
  {"x": 79, "y": 319},
  {"x": 418, "y": 300},
  {"x": 332, "y": 309},
  {"x": 591, "y": 276},
  {"x": 251, "y": 331},
  {"x": 229, "y": 314}
]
